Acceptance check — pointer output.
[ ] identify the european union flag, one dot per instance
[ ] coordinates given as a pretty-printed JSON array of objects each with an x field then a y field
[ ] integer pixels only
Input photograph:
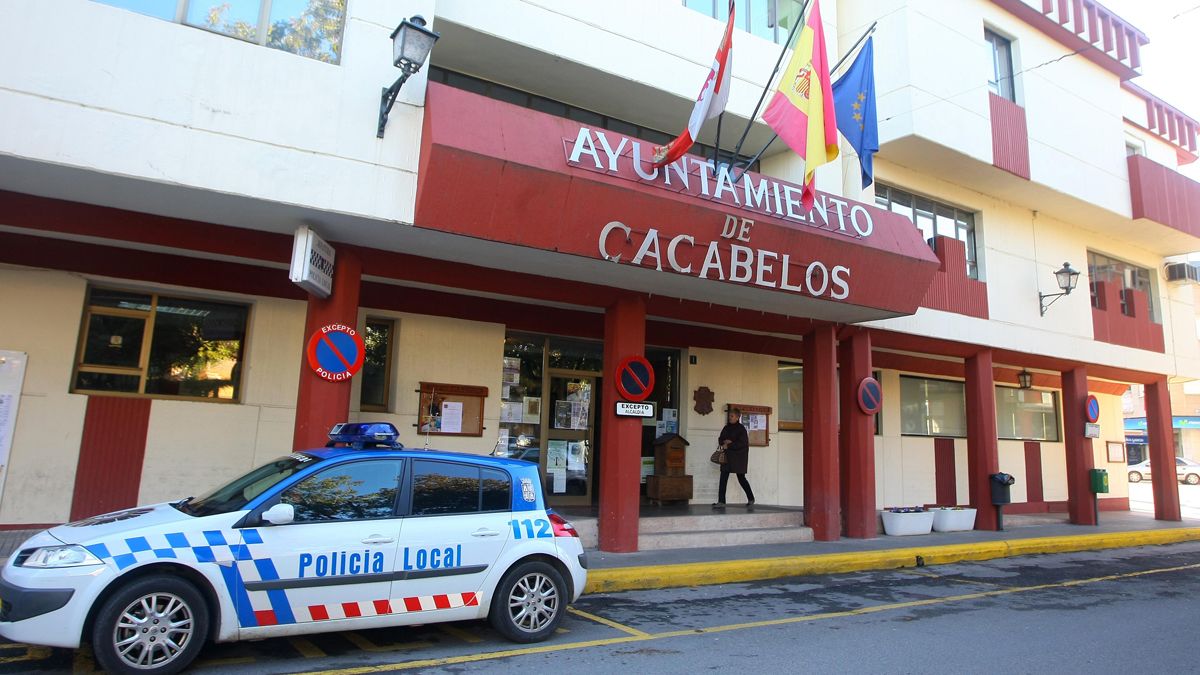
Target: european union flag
[{"x": 854, "y": 102}]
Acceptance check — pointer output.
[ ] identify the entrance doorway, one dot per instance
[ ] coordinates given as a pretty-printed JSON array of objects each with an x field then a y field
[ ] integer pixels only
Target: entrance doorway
[{"x": 572, "y": 437}]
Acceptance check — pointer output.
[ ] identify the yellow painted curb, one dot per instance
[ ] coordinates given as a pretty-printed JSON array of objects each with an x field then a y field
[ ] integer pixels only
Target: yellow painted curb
[{"x": 758, "y": 569}]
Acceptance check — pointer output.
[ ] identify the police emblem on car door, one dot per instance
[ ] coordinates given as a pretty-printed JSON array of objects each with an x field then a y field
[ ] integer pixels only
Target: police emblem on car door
[{"x": 334, "y": 560}]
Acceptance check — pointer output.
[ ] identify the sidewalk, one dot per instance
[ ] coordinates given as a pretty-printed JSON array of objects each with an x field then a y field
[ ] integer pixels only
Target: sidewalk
[{"x": 1023, "y": 535}]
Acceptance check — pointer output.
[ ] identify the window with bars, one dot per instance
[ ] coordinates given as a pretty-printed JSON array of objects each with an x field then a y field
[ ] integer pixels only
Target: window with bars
[
  {"x": 932, "y": 218},
  {"x": 145, "y": 343},
  {"x": 309, "y": 28}
]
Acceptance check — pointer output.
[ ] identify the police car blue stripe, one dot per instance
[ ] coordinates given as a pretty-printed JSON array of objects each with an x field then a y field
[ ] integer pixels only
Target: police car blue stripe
[
  {"x": 241, "y": 599},
  {"x": 204, "y": 554},
  {"x": 137, "y": 544},
  {"x": 165, "y": 553},
  {"x": 278, "y": 598},
  {"x": 99, "y": 550},
  {"x": 215, "y": 538},
  {"x": 124, "y": 560},
  {"x": 251, "y": 537},
  {"x": 177, "y": 540}
]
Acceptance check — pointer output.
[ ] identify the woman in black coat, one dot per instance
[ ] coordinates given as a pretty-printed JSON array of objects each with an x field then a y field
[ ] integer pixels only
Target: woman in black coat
[{"x": 736, "y": 443}]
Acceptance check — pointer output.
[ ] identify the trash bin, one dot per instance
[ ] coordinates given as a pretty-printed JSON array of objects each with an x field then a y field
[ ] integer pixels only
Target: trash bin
[
  {"x": 1099, "y": 480},
  {"x": 1002, "y": 488}
]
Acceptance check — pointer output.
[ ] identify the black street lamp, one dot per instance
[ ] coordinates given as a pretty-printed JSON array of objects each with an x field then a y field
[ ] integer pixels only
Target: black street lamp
[
  {"x": 411, "y": 44},
  {"x": 1067, "y": 279}
]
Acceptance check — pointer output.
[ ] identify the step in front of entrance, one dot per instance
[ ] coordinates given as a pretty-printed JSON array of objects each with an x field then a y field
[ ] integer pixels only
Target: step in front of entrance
[{"x": 700, "y": 531}]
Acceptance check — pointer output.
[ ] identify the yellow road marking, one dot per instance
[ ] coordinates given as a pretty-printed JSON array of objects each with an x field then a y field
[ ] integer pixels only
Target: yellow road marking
[
  {"x": 543, "y": 649},
  {"x": 455, "y": 631},
  {"x": 607, "y": 622},
  {"x": 366, "y": 645},
  {"x": 307, "y": 649},
  {"x": 733, "y": 571}
]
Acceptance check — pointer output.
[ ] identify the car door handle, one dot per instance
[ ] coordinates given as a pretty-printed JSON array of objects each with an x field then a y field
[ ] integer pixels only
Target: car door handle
[
  {"x": 378, "y": 539},
  {"x": 481, "y": 532}
]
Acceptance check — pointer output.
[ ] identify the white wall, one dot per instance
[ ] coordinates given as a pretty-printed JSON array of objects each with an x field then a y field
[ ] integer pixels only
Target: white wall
[{"x": 116, "y": 92}]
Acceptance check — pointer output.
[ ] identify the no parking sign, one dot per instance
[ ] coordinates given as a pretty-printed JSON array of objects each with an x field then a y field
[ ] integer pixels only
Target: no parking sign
[{"x": 335, "y": 352}]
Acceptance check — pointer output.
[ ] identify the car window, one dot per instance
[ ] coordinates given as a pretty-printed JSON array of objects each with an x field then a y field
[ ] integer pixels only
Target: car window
[
  {"x": 353, "y": 491},
  {"x": 1179, "y": 462},
  {"x": 443, "y": 488}
]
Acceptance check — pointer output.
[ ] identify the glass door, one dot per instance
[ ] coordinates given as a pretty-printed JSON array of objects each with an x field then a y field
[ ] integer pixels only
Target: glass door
[{"x": 569, "y": 429}]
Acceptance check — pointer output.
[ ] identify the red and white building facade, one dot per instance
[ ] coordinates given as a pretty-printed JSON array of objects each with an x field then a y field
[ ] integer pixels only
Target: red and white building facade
[{"x": 507, "y": 238}]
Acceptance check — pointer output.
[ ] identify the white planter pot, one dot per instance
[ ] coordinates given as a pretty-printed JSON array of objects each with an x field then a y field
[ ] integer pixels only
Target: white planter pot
[
  {"x": 901, "y": 524},
  {"x": 953, "y": 520}
]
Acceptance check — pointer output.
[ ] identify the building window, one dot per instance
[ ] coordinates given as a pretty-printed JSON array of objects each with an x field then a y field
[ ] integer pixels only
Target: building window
[
  {"x": 791, "y": 396},
  {"x": 768, "y": 19},
  {"x": 1000, "y": 81},
  {"x": 143, "y": 343},
  {"x": 1102, "y": 268},
  {"x": 310, "y": 28},
  {"x": 581, "y": 115},
  {"x": 1026, "y": 414},
  {"x": 932, "y": 218},
  {"x": 376, "y": 375},
  {"x": 932, "y": 407}
]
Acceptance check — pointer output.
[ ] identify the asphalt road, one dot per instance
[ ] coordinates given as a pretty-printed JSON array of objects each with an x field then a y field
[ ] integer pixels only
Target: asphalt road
[{"x": 1097, "y": 612}]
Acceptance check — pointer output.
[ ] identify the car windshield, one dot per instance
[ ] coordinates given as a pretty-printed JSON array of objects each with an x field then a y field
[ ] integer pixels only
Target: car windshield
[{"x": 234, "y": 496}]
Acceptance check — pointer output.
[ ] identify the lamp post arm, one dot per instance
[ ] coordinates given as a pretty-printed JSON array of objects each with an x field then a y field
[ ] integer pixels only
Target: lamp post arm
[
  {"x": 1046, "y": 305},
  {"x": 387, "y": 99}
]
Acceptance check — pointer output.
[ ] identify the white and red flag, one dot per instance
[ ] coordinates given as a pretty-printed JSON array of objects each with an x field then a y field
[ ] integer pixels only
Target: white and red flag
[{"x": 711, "y": 102}]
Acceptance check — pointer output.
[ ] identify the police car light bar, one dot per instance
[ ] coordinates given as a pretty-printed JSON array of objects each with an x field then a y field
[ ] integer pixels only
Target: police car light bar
[{"x": 365, "y": 434}]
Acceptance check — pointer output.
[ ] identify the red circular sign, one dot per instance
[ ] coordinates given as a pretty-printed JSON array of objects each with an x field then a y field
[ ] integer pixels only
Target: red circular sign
[
  {"x": 335, "y": 352},
  {"x": 870, "y": 396},
  {"x": 1092, "y": 408},
  {"x": 635, "y": 378}
]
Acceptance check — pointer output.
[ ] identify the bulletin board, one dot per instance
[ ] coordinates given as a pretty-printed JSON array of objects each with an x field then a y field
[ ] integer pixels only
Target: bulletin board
[
  {"x": 757, "y": 420},
  {"x": 450, "y": 409}
]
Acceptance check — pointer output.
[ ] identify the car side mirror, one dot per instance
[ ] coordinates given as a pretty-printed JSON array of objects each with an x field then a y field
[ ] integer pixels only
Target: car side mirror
[{"x": 280, "y": 514}]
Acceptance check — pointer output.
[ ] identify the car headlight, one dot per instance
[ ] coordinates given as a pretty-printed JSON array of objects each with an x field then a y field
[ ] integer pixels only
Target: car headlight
[{"x": 61, "y": 556}]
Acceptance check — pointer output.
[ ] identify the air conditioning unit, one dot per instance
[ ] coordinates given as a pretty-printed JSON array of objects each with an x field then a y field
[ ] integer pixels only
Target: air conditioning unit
[{"x": 1183, "y": 272}]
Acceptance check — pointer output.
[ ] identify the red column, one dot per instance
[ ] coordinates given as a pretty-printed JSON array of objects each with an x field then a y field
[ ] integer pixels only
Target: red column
[
  {"x": 857, "y": 440},
  {"x": 1079, "y": 447},
  {"x": 621, "y": 437},
  {"x": 822, "y": 505},
  {"x": 319, "y": 403},
  {"x": 1162, "y": 450},
  {"x": 983, "y": 457}
]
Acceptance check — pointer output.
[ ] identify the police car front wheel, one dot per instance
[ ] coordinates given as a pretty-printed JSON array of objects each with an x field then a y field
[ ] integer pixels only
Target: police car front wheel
[
  {"x": 529, "y": 602},
  {"x": 155, "y": 624}
]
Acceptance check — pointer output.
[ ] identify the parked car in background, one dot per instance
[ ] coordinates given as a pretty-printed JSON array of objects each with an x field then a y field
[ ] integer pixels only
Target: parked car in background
[{"x": 1186, "y": 471}]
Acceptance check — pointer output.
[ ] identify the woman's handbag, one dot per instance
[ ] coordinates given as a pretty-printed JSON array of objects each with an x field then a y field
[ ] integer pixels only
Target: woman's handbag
[{"x": 718, "y": 456}]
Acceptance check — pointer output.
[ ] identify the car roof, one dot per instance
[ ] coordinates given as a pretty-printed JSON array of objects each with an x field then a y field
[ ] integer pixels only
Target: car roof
[{"x": 406, "y": 453}]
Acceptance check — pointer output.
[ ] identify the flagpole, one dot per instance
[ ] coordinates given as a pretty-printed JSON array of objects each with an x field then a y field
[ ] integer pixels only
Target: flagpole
[
  {"x": 762, "y": 97},
  {"x": 717, "y": 145},
  {"x": 837, "y": 65}
]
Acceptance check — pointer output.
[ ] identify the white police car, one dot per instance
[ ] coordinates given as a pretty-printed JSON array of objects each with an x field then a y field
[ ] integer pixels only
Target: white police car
[{"x": 323, "y": 540}]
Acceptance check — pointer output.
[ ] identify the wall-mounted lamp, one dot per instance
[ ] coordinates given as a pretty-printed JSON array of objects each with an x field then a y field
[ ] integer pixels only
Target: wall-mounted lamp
[
  {"x": 1025, "y": 379},
  {"x": 411, "y": 44},
  {"x": 1067, "y": 279}
]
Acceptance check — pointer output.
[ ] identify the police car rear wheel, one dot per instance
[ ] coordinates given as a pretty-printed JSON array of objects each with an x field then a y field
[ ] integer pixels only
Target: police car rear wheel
[
  {"x": 153, "y": 625},
  {"x": 529, "y": 602}
]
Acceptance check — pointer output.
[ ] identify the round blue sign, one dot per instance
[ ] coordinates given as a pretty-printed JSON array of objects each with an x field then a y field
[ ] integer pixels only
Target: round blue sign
[
  {"x": 335, "y": 352},
  {"x": 1092, "y": 409},
  {"x": 870, "y": 396},
  {"x": 635, "y": 378}
]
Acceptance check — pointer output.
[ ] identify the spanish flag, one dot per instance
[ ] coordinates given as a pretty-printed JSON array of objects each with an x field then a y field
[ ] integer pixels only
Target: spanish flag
[{"x": 802, "y": 111}]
